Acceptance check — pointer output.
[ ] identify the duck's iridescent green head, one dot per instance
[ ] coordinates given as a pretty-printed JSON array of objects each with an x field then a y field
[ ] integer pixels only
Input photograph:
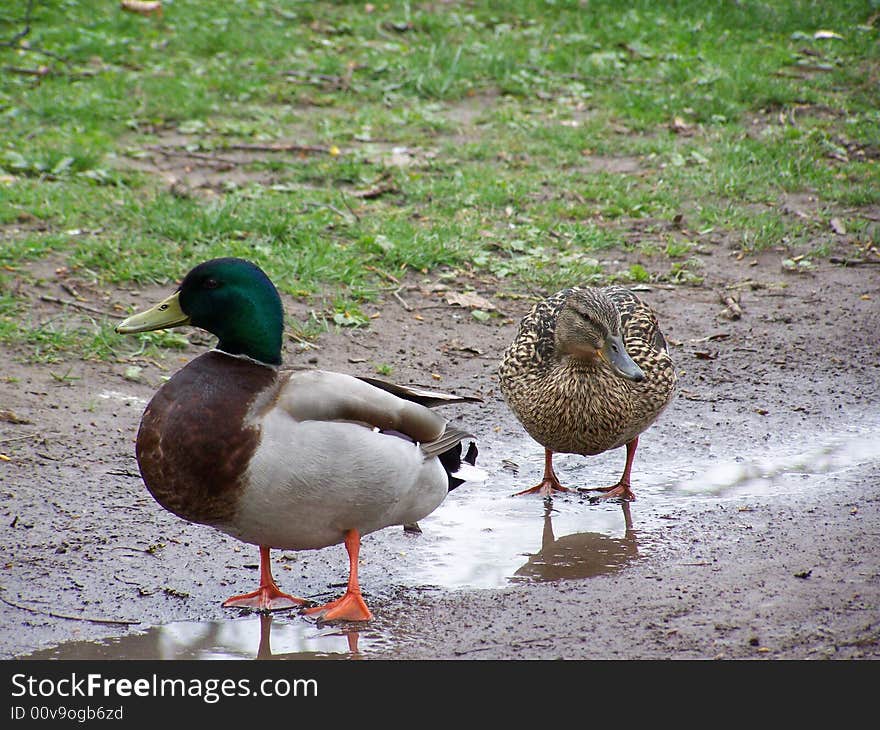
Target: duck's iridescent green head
[{"x": 230, "y": 298}]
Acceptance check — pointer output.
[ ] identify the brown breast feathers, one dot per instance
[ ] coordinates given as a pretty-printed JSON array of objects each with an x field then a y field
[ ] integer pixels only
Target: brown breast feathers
[{"x": 193, "y": 444}]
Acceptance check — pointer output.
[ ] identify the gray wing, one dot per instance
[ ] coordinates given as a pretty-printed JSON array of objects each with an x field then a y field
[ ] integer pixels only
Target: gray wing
[
  {"x": 320, "y": 395},
  {"x": 422, "y": 396}
]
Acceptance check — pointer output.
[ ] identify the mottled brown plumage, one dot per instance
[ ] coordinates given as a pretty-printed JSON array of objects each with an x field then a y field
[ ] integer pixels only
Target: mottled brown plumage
[{"x": 557, "y": 378}]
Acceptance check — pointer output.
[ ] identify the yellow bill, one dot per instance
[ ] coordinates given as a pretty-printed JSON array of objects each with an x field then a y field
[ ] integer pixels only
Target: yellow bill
[{"x": 165, "y": 314}]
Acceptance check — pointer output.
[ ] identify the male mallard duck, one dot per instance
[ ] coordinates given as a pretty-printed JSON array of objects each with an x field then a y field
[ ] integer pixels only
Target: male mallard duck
[
  {"x": 588, "y": 371},
  {"x": 288, "y": 459}
]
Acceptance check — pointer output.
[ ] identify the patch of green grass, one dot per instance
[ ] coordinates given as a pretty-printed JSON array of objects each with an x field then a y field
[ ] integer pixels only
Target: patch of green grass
[
  {"x": 516, "y": 138},
  {"x": 638, "y": 273},
  {"x": 383, "y": 368},
  {"x": 757, "y": 228}
]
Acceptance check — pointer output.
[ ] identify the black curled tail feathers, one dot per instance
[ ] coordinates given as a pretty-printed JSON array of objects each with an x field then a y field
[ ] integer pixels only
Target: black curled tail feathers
[
  {"x": 448, "y": 449},
  {"x": 452, "y": 460}
]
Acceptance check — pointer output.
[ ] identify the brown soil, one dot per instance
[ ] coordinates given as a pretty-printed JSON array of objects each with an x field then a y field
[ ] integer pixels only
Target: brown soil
[{"x": 784, "y": 573}]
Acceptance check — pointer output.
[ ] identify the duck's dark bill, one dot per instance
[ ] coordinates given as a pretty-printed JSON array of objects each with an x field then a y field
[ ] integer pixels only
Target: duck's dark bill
[
  {"x": 166, "y": 313},
  {"x": 618, "y": 358}
]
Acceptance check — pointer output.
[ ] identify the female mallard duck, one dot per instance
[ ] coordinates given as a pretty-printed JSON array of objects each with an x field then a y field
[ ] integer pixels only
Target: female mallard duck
[
  {"x": 588, "y": 371},
  {"x": 288, "y": 459}
]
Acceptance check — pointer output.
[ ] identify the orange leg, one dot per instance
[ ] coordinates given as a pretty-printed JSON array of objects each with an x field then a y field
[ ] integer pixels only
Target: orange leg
[
  {"x": 621, "y": 490},
  {"x": 351, "y": 606},
  {"x": 267, "y": 597},
  {"x": 550, "y": 482}
]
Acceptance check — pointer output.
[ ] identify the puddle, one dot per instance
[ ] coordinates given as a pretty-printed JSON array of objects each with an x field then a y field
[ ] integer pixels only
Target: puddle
[
  {"x": 482, "y": 538},
  {"x": 488, "y": 540},
  {"x": 580, "y": 554},
  {"x": 254, "y": 637},
  {"x": 804, "y": 465}
]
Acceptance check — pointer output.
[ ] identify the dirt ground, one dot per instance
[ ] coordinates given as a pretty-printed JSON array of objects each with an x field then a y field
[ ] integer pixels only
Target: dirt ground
[{"x": 787, "y": 572}]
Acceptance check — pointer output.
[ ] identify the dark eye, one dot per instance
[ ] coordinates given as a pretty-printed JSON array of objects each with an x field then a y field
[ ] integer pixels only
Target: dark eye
[{"x": 210, "y": 284}]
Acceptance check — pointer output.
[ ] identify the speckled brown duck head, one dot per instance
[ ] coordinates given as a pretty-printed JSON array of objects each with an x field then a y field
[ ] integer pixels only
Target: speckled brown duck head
[{"x": 588, "y": 327}]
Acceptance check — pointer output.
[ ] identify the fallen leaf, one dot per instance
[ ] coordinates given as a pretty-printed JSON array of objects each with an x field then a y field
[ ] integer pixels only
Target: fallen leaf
[
  {"x": 838, "y": 226},
  {"x": 824, "y": 34},
  {"x": 470, "y": 349},
  {"x": 680, "y": 126},
  {"x": 349, "y": 319},
  {"x": 469, "y": 300},
  {"x": 374, "y": 192},
  {"x": 133, "y": 372},
  {"x": 797, "y": 264},
  {"x": 12, "y": 417},
  {"x": 400, "y": 157},
  {"x": 141, "y": 7}
]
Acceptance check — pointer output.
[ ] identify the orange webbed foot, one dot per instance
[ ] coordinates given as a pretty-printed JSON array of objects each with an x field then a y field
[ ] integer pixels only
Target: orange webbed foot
[
  {"x": 265, "y": 598},
  {"x": 350, "y": 607},
  {"x": 546, "y": 488},
  {"x": 620, "y": 491},
  {"x": 549, "y": 484}
]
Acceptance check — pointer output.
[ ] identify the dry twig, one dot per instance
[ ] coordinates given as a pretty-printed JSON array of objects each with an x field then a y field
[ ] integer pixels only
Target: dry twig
[
  {"x": 396, "y": 294},
  {"x": 54, "y": 614},
  {"x": 315, "y": 149},
  {"x": 78, "y": 305},
  {"x": 853, "y": 262},
  {"x": 733, "y": 310}
]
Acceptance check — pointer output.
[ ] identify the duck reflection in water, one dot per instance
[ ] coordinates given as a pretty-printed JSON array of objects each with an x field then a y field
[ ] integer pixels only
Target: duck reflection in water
[
  {"x": 579, "y": 555},
  {"x": 264, "y": 651}
]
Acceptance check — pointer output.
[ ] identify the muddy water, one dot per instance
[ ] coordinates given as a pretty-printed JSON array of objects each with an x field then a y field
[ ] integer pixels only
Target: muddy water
[
  {"x": 481, "y": 537},
  {"x": 805, "y": 465},
  {"x": 485, "y": 540},
  {"x": 251, "y": 637}
]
